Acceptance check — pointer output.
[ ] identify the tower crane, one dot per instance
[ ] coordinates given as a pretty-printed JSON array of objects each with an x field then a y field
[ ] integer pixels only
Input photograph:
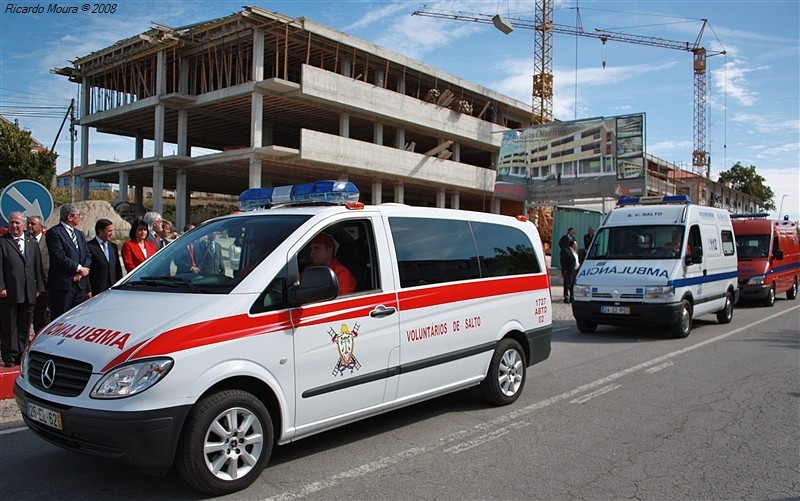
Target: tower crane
[{"x": 542, "y": 94}]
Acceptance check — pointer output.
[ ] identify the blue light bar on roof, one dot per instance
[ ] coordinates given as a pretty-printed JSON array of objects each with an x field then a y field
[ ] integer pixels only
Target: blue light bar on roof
[
  {"x": 672, "y": 199},
  {"x": 330, "y": 192}
]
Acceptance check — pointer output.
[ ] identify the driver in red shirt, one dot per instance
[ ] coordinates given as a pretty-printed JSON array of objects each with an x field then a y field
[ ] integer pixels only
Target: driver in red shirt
[{"x": 323, "y": 248}]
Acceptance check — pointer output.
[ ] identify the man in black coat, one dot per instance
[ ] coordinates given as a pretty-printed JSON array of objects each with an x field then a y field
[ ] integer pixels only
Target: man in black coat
[
  {"x": 105, "y": 270},
  {"x": 67, "y": 280},
  {"x": 21, "y": 281}
]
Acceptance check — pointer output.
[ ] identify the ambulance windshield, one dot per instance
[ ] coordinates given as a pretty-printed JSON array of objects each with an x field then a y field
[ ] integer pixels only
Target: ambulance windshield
[
  {"x": 638, "y": 242},
  {"x": 214, "y": 257},
  {"x": 752, "y": 246}
]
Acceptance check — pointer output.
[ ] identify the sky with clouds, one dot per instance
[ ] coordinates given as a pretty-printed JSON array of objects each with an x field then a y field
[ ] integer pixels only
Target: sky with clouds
[{"x": 753, "y": 103}]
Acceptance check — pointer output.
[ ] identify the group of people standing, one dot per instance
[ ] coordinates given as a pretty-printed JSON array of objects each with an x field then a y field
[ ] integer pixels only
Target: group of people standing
[
  {"x": 571, "y": 258},
  {"x": 58, "y": 269}
]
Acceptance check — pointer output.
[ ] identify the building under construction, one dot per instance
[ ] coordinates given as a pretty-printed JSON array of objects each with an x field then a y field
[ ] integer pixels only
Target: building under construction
[{"x": 260, "y": 99}]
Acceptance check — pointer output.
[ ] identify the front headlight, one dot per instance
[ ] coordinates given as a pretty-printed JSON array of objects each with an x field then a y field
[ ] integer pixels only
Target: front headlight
[
  {"x": 581, "y": 291},
  {"x": 659, "y": 291},
  {"x": 133, "y": 378},
  {"x": 756, "y": 280}
]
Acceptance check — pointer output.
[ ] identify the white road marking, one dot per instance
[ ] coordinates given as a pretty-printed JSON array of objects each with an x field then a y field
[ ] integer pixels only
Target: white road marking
[
  {"x": 13, "y": 430},
  {"x": 596, "y": 393},
  {"x": 653, "y": 370}
]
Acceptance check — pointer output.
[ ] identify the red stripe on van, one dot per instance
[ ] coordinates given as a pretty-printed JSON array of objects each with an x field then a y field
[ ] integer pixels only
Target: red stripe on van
[{"x": 219, "y": 330}]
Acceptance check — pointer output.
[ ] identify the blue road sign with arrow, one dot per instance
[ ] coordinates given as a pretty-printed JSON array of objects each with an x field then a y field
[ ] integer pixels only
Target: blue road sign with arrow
[{"x": 28, "y": 197}]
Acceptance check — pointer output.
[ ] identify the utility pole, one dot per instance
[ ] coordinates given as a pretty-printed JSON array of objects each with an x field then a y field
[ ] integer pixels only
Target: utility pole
[{"x": 72, "y": 151}]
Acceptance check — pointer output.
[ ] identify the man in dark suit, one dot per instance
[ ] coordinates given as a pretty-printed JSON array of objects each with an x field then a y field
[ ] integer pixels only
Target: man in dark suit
[
  {"x": 211, "y": 257},
  {"x": 105, "y": 270},
  {"x": 67, "y": 281},
  {"x": 21, "y": 281},
  {"x": 36, "y": 231}
]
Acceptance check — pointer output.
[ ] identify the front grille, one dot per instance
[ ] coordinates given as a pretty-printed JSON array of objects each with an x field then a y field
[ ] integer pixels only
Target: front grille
[
  {"x": 601, "y": 295},
  {"x": 71, "y": 376},
  {"x": 631, "y": 296}
]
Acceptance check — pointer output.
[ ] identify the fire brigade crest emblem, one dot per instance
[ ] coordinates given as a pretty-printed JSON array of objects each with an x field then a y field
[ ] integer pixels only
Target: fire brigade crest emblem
[{"x": 345, "y": 341}]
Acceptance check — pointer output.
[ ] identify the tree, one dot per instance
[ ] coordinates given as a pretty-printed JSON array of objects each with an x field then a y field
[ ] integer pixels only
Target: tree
[
  {"x": 20, "y": 159},
  {"x": 746, "y": 180}
]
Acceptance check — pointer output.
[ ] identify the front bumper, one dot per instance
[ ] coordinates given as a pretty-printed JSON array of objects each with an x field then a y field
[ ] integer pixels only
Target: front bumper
[
  {"x": 640, "y": 314},
  {"x": 754, "y": 291},
  {"x": 146, "y": 439}
]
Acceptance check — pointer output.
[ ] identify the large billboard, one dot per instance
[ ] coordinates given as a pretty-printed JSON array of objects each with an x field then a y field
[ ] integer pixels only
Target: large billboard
[{"x": 561, "y": 162}]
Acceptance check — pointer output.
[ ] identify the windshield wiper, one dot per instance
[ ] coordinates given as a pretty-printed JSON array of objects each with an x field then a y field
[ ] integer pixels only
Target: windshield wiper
[{"x": 168, "y": 281}]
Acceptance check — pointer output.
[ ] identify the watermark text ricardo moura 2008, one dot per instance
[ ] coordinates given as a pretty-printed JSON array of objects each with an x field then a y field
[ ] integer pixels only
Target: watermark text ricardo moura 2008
[{"x": 60, "y": 8}]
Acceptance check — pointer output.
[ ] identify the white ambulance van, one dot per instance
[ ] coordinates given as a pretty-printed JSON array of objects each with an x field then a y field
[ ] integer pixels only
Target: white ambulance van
[
  {"x": 658, "y": 261},
  {"x": 194, "y": 362}
]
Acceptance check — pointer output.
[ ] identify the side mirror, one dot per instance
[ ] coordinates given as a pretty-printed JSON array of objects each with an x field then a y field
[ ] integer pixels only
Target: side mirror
[
  {"x": 688, "y": 260},
  {"x": 318, "y": 283},
  {"x": 778, "y": 254}
]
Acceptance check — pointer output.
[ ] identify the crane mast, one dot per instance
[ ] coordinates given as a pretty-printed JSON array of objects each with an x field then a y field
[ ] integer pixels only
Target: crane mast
[{"x": 542, "y": 93}]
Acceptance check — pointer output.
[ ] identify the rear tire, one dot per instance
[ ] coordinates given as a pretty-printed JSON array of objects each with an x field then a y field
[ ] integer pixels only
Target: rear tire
[
  {"x": 725, "y": 315},
  {"x": 792, "y": 292},
  {"x": 226, "y": 443},
  {"x": 683, "y": 326},
  {"x": 586, "y": 327},
  {"x": 506, "y": 377},
  {"x": 770, "y": 299}
]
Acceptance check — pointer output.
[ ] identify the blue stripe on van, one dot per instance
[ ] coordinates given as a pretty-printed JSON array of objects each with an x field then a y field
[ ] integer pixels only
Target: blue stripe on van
[
  {"x": 785, "y": 267},
  {"x": 683, "y": 282}
]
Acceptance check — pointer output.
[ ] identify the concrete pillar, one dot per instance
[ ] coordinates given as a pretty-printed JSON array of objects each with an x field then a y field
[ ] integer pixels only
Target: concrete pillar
[
  {"x": 183, "y": 133},
  {"x": 400, "y": 140},
  {"x": 158, "y": 187},
  {"x": 441, "y": 198},
  {"x": 347, "y": 66},
  {"x": 187, "y": 205},
  {"x": 158, "y": 140},
  {"x": 455, "y": 200},
  {"x": 183, "y": 82},
  {"x": 255, "y": 172},
  {"x": 495, "y": 206},
  {"x": 138, "y": 194},
  {"x": 456, "y": 149},
  {"x": 256, "y": 120},
  {"x": 181, "y": 188},
  {"x": 399, "y": 193},
  {"x": 139, "y": 148},
  {"x": 123, "y": 186},
  {"x": 377, "y": 191},
  {"x": 380, "y": 78},
  {"x": 161, "y": 73},
  {"x": 344, "y": 125},
  {"x": 258, "y": 54},
  {"x": 377, "y": 133}
]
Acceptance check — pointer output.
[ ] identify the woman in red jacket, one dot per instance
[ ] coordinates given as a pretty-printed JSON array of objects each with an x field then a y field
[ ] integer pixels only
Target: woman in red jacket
[{"x": 136, "y": 250}]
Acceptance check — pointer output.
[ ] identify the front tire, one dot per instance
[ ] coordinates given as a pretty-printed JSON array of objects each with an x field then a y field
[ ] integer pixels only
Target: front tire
[
  {"x": 506, "y": 377},
  {"x": 586, "y": 327},
  {"x": 725, "y": 315},
  {"x": 226, "y": 444},
  {"x": 683, "y": 326},
  {"x": 792, "y": 292},
  {"x": 770, "y": 299}
]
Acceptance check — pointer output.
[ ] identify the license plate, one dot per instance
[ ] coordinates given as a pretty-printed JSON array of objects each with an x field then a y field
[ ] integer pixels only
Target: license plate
[
  {"x": 615, "y": 310},
  {"x": 44, "y": 416}
]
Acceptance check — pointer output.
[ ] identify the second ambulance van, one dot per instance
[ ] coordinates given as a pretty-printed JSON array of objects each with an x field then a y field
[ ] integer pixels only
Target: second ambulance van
[
  {"x": 207, "y": 363},
  {"x": 769, "y": 257},
  {"x": 658, "y": 261}
]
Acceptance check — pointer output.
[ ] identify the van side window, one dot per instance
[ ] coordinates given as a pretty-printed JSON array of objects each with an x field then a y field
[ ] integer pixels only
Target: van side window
[
  {"x": 695, "y": 240},
  {"x": 274, "y": 296},
  {"x": 355, "y": 249},
  {"x": 503, "y": 250},
  {"x": 431, "y": 251},
  {"x": 728, "y": 247}
]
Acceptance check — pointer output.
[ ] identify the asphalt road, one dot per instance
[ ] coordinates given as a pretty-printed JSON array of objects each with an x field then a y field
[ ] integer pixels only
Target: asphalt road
[{"x": 619, "y": 414}]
